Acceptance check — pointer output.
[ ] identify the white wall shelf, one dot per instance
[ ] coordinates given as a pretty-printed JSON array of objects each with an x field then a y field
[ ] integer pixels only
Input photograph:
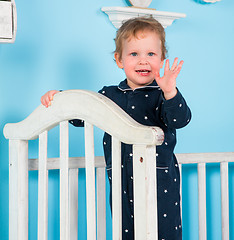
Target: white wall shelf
[
  {"x": 8, "y": 21},
  {"x": 118, "y": 15}
]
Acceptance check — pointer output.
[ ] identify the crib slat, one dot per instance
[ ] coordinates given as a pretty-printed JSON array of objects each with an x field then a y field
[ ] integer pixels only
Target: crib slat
[
  {"x": 139, "y": 162},
  {"x": 18, "y": 190},
  {"x": 43, "y": 188},
  {"x": 73, "y": 203},
  {"x": 64, "y": 207},
  {"x": 144, "y": 179},
  {"x": 202, "y": 200},
  {"x": 101, "y": 203},
  {"x": 90, "y": 182},
  {"x": 224, "y": 200},
  {"x": 151, "y": 197},
  {"x": 116, "y": 190}
]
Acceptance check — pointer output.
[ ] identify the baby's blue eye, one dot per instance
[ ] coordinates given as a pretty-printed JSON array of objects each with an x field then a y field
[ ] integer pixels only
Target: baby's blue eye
[
  {"x": 151, "y": 54},
  {"x": 134, "y": 54}
]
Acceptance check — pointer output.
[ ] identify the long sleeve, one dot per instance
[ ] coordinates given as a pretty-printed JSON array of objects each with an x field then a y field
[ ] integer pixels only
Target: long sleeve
[
  {"x": 175, "y": 112},
  {"x": 77, "y": 122}
]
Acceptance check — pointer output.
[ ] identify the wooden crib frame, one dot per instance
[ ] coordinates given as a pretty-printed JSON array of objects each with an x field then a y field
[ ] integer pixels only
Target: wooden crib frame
[{"x": 93, "y": 108}]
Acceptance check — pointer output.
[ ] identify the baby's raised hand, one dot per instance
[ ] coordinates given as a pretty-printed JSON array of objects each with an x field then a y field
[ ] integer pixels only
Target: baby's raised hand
[
  {"x": 168, "y": 81},
  {"x": 48, "y": 97}
]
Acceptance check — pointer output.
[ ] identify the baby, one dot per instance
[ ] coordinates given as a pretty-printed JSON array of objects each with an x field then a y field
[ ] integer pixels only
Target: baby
[{"x": 151, "y": 100}]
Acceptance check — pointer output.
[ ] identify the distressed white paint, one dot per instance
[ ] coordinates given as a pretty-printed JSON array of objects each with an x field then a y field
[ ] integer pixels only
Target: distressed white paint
[
  {"x": 190, "y": 158},
  {"x": 202, "y": 200},
  {"x": 101, "y": 203},
  {"x": 18, "y": 190},
  {"x": 64, "y": 183},
  {"x": 91, "y": 107},
  {"x": 43, "y": 188},
  {"x": 116, "y": 190},
  {"x": 73, "y": 204},
  {"x": 90, "y": 182},
  {"x": 5, "y": 20},
  {"x": 8, "y": 21},
  {"x": 203, "y": 158},
  {"x": 151, "y": 194},
  {"x": 74, "y": 163},
  {"x": 139, "y": 187},
  {"x": 224, "y": 200},
  {"x": 183, "y": 158},
  {"x": 145, "y": 203}
]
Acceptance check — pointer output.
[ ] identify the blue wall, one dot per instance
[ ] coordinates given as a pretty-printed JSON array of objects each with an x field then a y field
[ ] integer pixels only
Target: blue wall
[{"x": 69, "y": 44}]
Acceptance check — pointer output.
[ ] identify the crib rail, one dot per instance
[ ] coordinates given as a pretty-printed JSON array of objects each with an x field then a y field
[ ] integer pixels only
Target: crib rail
[
  {"x": 202, "y": 159},
  {"x": 92, "y": 108}
]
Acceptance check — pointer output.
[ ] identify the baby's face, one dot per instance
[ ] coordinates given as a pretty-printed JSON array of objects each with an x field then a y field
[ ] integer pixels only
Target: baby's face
[{"x": 141, "y": 58}]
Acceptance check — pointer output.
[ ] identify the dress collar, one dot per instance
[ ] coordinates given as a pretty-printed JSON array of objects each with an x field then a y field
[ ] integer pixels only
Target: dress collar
[{"x": 123, "y": 86}]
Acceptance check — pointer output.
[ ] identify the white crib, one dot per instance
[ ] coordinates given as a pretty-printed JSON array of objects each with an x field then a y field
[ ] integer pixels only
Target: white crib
[{"x": 96, "y": 110}]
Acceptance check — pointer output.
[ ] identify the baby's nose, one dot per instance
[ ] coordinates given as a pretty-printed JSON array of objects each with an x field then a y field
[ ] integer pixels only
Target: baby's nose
[{"x": 143, "y": 60}]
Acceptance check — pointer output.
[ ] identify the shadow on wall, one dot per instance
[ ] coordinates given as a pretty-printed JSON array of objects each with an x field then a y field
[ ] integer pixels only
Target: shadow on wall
[
  {"x": 201, "y": 2},
  {"x": 127, "y": 3}
]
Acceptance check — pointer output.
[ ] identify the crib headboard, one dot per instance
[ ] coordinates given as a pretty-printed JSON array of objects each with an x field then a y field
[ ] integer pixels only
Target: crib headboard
[{"x": 95, "y": 110}]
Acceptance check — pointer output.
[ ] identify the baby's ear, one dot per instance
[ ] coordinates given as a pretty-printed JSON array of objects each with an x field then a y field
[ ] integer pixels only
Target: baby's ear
[{"x": 118, "y": 60}]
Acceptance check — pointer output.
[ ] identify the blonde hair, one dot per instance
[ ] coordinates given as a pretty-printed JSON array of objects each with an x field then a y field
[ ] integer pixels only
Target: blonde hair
[{"x": 133, "y": 26}]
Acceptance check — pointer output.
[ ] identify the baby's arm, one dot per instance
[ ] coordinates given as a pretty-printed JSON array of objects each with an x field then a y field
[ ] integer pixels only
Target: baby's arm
[
  {"x": 175, "y": 112},
  {"x": 48, "y": 97}
]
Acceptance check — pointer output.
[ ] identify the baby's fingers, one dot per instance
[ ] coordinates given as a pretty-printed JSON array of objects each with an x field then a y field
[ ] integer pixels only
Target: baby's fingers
[
  {"x": 51, "y": 94},
  {"x": 178, "y": 68},
  {"x": 48, "y": 100},
  {"x": 174, "y": 65},
  {"x": 45, "y": 100}
]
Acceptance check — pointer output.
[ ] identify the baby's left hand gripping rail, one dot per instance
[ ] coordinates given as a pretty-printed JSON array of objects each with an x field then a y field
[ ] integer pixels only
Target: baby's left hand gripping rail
[{"x": 100, "y": 111}]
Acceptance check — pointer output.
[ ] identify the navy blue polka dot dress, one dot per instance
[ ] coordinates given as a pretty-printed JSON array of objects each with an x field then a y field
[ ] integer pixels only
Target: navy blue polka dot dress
[{"x": 147, "y": 106}]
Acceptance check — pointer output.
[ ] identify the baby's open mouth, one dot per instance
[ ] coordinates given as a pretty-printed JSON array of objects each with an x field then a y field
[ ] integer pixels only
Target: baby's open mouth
[{"x": 143, "y": 71}]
